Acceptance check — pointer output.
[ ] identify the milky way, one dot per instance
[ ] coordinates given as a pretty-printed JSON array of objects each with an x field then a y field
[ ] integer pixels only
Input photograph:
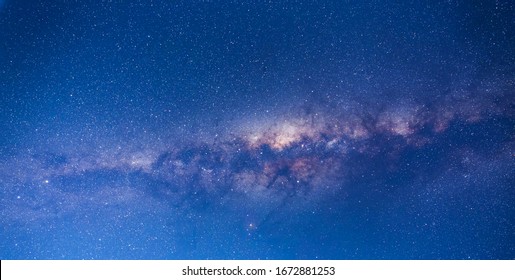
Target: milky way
[{"x": 257, "y": 131}]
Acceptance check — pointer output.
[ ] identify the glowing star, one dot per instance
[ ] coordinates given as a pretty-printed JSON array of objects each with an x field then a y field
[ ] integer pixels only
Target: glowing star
[{"x": 251, "y": 227}]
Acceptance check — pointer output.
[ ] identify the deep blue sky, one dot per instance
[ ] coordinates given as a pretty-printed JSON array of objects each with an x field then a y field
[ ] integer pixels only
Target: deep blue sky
[{"x": 257, "y": 129}]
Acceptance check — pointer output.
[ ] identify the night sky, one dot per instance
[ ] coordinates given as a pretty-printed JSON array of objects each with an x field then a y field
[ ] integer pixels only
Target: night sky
[{"x": 257, "y": 129}]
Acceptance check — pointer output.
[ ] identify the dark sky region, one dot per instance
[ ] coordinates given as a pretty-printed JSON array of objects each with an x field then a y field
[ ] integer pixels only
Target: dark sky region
[{"x": 257, "y": 129}]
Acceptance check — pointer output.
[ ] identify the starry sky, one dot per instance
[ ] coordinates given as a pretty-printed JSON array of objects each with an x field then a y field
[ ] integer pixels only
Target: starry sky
[{"x": 257, "y": 129}]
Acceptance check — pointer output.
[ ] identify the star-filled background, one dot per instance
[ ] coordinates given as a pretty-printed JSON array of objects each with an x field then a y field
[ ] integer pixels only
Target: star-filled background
[{"x": 257, "y": 129}]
